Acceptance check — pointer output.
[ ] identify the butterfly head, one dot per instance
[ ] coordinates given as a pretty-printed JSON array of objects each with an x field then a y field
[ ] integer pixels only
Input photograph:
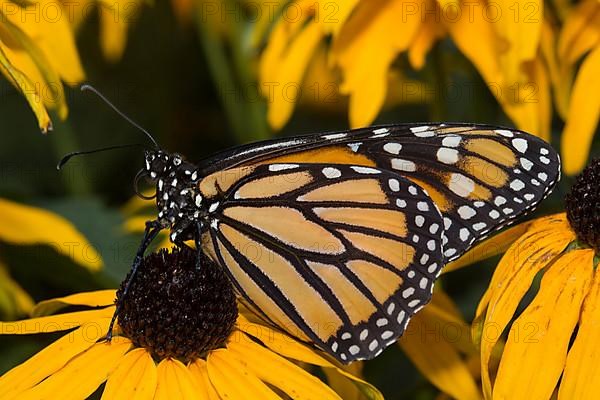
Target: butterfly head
[{"x": 160, "y": 164}]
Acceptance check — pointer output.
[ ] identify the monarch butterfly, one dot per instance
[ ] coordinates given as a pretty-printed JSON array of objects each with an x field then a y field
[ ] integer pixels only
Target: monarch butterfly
[{"x": 338, "y": 238}]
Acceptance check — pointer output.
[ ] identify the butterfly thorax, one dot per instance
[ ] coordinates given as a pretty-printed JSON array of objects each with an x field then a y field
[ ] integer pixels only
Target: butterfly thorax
[{"x": 178, "y": 199}]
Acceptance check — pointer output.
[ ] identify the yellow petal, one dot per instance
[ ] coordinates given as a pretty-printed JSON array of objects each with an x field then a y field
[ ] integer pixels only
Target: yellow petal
[
  {"x": 14, "y": 301},
  {"x": 495, "y": 245},
  {"x": 97, "y": 298},
  {"x": 364, "y": 49},
  {"x": 520, "y": 26},
  {"x": 581, "y": 378},
  {"x": 342, "y": 385},
  {"x": 199, "y": 371},
  {"x": 580, "y": 32},
  {"x": 430, "y": 343},
  {"x": 232, "y": 380},
  {"x": 51, "y": 359},
  {"x": 134, "y": 379},
  {"x": 175, "y": 382},
  {"x": 26, "y": 225},
  {"x": 475, "y": 37},
  {"x": 82, "y": 375},
  {"x": 53, "y": 323},
  {"x": 539, "y": 339},
  {"x": 429, "y": 32},
  {"x": 584, "y": 113},
  {"x": 53, "y": 34},
  {"x": 560, "y": 75},
  {"x": 282, "y": 92},
  {"x": 114, "y": 21},
  {"x": 292, "y": 348},
  {"x": 546, "y": 238},
  {"x": 27, "y": 87},
  {"x": 280, "y": 373}
]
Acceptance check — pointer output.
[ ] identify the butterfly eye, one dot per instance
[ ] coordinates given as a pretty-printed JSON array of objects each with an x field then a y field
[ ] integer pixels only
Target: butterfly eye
[{"x": 142, "y": 174}]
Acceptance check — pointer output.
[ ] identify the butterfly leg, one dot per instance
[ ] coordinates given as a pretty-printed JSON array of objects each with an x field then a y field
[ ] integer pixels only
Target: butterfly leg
[
  {"x": 151, "y": 231},
  {"x": 198, "y": 241}
]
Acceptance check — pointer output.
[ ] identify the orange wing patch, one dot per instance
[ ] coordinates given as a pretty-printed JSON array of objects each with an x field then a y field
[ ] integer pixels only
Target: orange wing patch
[
  {"x": 329, "y": 155},
  {"x": 359, "y": 190}
]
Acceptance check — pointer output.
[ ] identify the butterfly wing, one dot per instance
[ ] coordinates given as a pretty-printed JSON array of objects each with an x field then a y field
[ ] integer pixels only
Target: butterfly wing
[
  {"x": 338, "y": 255},
  {"x": 481, "y": 177}
]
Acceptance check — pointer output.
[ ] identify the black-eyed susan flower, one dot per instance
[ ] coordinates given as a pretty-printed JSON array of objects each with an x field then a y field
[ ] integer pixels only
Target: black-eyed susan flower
[
  {"x": 179, "y": 336},
  {"x": 38, "y": 54},
  {"x": 537, "y": 323}
]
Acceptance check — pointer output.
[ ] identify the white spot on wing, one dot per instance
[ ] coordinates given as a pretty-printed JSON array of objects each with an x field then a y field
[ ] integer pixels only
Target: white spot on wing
[
  {"x": 331, "y": 173},
  {"x": 392, "y": 148},
  {"x": 282, "y": 167},
  {"x": 403, "y": 165}
]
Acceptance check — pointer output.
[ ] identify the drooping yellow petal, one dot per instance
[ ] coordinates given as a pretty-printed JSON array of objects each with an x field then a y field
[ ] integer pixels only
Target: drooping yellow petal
[
  {"x": 26, "y": 225},
  {"x": 14, "y": 301},
  {"x": 474, "y": 35},
  {"x": 232, "y": 380},
  {"x": 282, "y": 92},
  {"x": 134, "y": 379},
  {"x": 199, "y": 371},
  {"x": 546, "y": 238},
  {"x": 580, "y": 32},
  {"x": 51, "y": 358},
  {"x": 364, "y": 49},
  {"x": 495, "y": 245},
  {"x": 175, "y": 382},
  {"x": 99, "y": 298},
  {"x": 429, "y": 32},
  {"x": 538, "y": 340},
  {"x": 27, "y": 87},
  {"x": 280, "y": 373},
  {"x": 581, "y": 378},
  {"x": 82, "y": 375},
  {"x": 430, "y": 342},
  {"x": 292, "y": 348},
  {"x": 342, "y": 385},
  {"x": 53, "y": 323},
  {"x": 520, "y": 26},
  {"x": 115, "y": 18},
  {"x": 584, "y": 114},
  {"x": 560, "y": 73}
]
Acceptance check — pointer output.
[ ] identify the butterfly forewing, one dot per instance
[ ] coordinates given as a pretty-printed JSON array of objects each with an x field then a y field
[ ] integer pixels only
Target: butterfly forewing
[
  {"x": 341, "y": 255},
  {"x": 481, "y": 177}
]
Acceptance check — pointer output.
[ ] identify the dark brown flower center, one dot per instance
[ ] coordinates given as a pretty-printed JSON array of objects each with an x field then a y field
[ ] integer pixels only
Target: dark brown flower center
[
  {"x": 174, "y": 310},
  {"x": 583, "y": 205}
]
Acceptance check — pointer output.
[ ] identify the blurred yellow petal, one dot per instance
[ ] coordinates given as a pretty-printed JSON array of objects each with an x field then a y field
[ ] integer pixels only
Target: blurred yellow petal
[
  {"x": 199, "y": 371},
  {"x": 82, "y": 375},
  {"x": 26, "y": 225},
  {"x": 584, "y": 113},
  {"x": 99, "y": 298},
  {"x": 175, "y": 382},
  {"x": 27, "y": 87},
  {"x": 115, "y": 18},
  {"x": 14, "y": 301},
  {"x": 134, "y": 379},
  {"x": 581, "y": 378},
  {"x": 512, "y": 279},
  {"x": 495, "y": 245},
  {"x": 520, "y": 25},
  {"x": 284, "y": 86},
  {"x": 430, "y": 342},
  {"x": 279, "y": 372},
  {"x": 54, "y": 323},
  {"x": 223, "y": 369},
  {"x": 560, "y": 75},
  {"x": 342, "y": 385},
  {"x": 475, "y": 37},
  {"x": 536, "y": 348},
  {"x": 429, "y": 32},
  {"x": 580, "y": 32},
  {"x": 51, "y": 358},
  {"x": 366, "y": 46}
]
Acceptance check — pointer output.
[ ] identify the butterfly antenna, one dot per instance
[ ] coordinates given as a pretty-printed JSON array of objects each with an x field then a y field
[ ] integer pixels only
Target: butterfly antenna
[
  {"x": 68, "y": 156},
  {"x": 125, "y": 117}
]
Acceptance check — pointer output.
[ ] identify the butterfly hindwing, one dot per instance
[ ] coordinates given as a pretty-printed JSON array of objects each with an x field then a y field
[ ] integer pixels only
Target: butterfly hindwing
[
  {"x": 481, "y": 177},
  {"x": 340, "y": 255}
]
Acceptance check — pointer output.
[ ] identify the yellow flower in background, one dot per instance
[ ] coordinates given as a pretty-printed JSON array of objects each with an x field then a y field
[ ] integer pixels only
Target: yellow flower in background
[
  {"x": 204, "y": 350},
  {"x": 580, "y": 38},
  {"x": 25, "y": 226},
  {"x": 552, "y": 347},
  {"x": 38, "y": 54}
]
